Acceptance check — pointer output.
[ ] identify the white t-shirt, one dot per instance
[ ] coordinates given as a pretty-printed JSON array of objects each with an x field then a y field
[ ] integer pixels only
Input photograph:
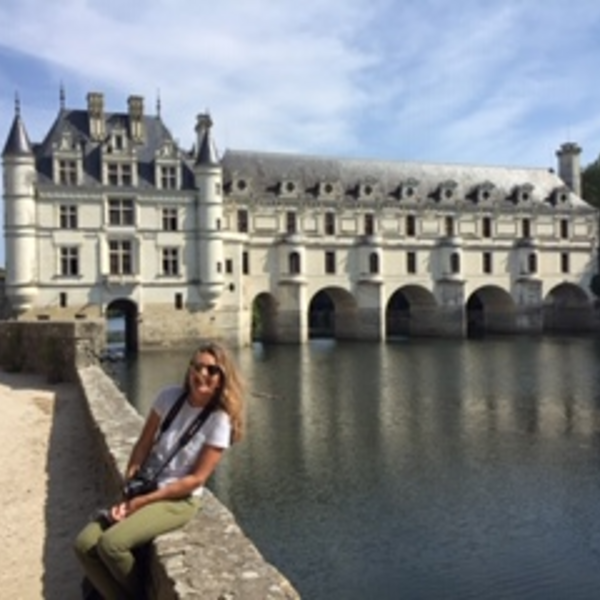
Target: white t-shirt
[{"x": 216, "y": 431}]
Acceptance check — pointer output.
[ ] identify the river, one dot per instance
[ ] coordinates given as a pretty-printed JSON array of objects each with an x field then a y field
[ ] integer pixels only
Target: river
[{"x": 423, "y": 469}]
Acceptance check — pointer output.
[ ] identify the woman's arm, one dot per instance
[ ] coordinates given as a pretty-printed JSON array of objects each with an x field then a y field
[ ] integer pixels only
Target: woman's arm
[{"x": 142, "y": 447}]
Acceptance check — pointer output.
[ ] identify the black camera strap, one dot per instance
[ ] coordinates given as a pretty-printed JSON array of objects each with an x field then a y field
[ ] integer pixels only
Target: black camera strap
[{"x": 188, "y": 434}]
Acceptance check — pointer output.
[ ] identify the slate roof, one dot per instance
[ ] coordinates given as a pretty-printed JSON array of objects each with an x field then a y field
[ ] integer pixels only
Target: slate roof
[
  {"x": 265, "y": 171},
  {"x": 76, "y": 122}
]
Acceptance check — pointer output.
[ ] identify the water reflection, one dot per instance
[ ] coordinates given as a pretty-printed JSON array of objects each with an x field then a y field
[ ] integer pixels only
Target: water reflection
[{"x": 423, "y": 469}]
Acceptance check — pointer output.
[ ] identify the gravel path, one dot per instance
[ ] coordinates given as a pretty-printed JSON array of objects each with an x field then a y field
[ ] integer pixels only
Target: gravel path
[{"x": 48, "y": 479}]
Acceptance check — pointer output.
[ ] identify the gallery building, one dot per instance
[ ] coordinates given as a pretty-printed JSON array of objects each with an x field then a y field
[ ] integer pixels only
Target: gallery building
[{"x": 109, "y": 214}]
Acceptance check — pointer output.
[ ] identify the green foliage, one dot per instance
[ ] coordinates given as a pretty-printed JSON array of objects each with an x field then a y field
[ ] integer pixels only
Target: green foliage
[{"x": 590, "y": 183}]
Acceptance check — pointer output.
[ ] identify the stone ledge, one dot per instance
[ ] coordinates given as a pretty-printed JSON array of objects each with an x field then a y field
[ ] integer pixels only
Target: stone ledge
[{"x": 211, "y": 558}]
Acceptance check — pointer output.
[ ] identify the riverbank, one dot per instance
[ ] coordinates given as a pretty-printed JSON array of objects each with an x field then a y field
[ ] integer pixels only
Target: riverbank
[{"x": 49, "y": 484}]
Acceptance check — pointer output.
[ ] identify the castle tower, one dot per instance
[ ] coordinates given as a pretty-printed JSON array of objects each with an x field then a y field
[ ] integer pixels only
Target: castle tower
[
  {"x": 569, "y": 169},
  {"x": 209, "y": 183},
  {"x": 20, "y": 214}
]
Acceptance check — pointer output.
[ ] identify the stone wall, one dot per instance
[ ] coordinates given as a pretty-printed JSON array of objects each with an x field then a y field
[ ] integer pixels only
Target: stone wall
[
  {"x": 52, "y": 348},
  {"x": 211, "y": 558}
]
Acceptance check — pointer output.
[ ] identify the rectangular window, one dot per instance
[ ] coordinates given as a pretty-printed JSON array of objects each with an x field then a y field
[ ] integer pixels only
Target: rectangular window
[
  {"x": 120, "y": 257},
  {"x": 565, "y": 263},
  {"x": 486, "y": 227},
  {"x": 411, "y": 262},
  {"x": 178, "y": 301},
  {"x": 119, "y": 174},
  {"x": 369, "y": 224},
  {"x": 62, "y": 300},
  {"x": 564, "y": 229},
  {"x": 169, "y": 219},
  {"x": 168, "y": 177},
  {"x": 449, "y": 226},
  {"x": 67, "y": 172},
  {"x": 170, "y": 262},
  {"x": 330, "y": 262},
  {"x": 69, "y": 261},
  {"x": 68, "y": 216},
  {"x": 526, "y": 228},
  {"x": 411, "y": 225},
  {"x": 120, "y": 212},
  {"x": 228, "y": 266},
  {"x": 532, "y": 263},
  {"x": 245, "y": 263},
  {"x": 329, "y": 223},
  {"x": 290, "y": 222},
  {"x": 487, "y": 262},
  {"x": 242, "y": 220}
]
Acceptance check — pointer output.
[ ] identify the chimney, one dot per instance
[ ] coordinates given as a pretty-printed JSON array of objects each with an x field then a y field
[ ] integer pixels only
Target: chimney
[
  {"x": 95, "y": 102},
  {"x": 136, "y": 118},
  {"x": 569, "y": 169}
]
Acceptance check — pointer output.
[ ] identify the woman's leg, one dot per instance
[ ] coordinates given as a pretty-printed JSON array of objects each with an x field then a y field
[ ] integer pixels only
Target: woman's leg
[
  {"x": 93, "y": 566},
  {"x": 116, "y": 544}
]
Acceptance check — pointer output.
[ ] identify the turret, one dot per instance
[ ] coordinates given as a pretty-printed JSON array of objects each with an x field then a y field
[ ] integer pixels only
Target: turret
[
  {"x": 209, "y": 183},
  {"x": 19, "y": 224},
  {"x": 569, "y": 169}
]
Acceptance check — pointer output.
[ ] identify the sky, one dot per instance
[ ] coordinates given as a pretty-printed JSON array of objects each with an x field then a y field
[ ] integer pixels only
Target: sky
[{"x": 489, "y": 82}]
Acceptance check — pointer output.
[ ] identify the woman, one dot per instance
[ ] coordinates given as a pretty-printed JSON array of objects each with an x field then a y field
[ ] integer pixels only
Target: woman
[{"x": 105, "y": 546}]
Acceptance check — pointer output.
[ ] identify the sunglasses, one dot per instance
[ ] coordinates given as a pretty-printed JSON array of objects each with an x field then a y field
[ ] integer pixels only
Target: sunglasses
[{"x": 212, "y": 370}]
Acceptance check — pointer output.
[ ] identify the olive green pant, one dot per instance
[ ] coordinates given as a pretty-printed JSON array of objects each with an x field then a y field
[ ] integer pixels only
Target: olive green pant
[{"x": 106, "y": 552}]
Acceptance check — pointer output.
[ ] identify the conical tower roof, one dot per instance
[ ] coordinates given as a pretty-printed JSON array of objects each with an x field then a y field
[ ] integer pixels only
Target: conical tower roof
[
  {"x": 17, "y": 143},
  {"x": 207, "y": 151}
]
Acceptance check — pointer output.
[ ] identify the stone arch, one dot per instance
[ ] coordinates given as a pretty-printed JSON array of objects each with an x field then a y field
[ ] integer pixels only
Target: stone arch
[
  {"x": 490, "y": 309},
  {"x": 126, "y": 311},
  {"x": 410, "y": 311},
  {"x": 333, "y": 313},
  {"x": 567, "y": 308},
  {"x": 264, "y": 318}
]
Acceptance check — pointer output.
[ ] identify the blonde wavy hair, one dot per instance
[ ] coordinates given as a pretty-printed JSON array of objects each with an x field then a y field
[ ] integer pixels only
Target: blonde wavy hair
[{"x": 231, "y": 390}]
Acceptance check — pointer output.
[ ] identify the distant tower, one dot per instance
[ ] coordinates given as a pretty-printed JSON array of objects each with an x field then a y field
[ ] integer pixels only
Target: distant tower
[
  {"x": 209, "y": 183},
  {"x": 20, "y": 214},
  {"x": 569, "y": 169}
]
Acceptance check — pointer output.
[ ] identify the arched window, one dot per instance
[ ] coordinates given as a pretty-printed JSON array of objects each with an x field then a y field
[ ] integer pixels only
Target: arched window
[
  {"x": 374, "y": 262},
  {"x": 455, "y": 262},
  {"x": 294, "y": 262}
]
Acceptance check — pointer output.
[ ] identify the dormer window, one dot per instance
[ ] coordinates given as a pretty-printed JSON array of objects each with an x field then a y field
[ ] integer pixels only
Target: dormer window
[
  {"x": 67, "y": 161},
  {"x": 240, "y": 186},
  {"x": 366, "y": 190},
  {"x": 117, "y": 142},
  {"x": 484, "y": 192},
  {"x": 447, "y": 190},
  {"x": 408, "y": 189},
  {"x": 67, "y": 172},
  {"x": 327, "y": 189},
  {"x": 288, "y": 188},
  {"x": 523, "y": 193},
  {"x": 119, "y": 174},
  {"x": 560, "y": 195},
  {"x": 168, "y": 177}
]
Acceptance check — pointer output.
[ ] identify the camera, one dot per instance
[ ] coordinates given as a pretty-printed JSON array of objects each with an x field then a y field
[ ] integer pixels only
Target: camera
[{"x": 143, "y": 482}]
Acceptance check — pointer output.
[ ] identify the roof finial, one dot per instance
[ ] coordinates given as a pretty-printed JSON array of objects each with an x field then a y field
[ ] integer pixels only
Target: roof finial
[
  {"x": 17, "y": 105},
  {"x": 62, "y": 96},
  {"x": 158, "y": 107}
]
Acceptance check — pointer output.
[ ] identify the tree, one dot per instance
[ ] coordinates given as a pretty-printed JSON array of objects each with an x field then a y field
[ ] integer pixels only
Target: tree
[{"x": 590, "y": 183}]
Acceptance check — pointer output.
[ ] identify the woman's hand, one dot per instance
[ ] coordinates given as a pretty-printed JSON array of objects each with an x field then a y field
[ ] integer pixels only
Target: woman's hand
[{"x": 122, "y": 510}]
